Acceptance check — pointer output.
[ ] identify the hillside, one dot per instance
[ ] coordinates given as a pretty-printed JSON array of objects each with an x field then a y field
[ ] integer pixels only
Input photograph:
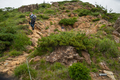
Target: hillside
[{"x": 72, "y": 40}]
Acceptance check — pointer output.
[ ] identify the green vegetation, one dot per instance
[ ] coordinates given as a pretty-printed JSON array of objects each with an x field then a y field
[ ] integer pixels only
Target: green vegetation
[
  {"x": 12, "y": 35},
  {"x": 83, "y": 12},
  {"x": 47, "y": 28},
  {"x": 49, "y": 11},
  {"x": 43, "y": 16},
  {"x": 79, "y": 72},
  {"x": 97, "y": 19},
  {"x": 14, "y": 53},
  {"x": 101, "y": 45},
  {"x": 70, "y": 21},
  {"x": 79, "y": 41},
  {"x": 23, "y": 70}
]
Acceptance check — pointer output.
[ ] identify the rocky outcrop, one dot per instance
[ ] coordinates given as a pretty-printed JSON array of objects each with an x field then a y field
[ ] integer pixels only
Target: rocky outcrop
[
  {"x": 56, "y": 4},
  {"x": 65, "y": 54},
  {"x": 28, "y": 8},
  {"x": 87, "y": 57},
  {"x": 117, "y": 27},
  {"x": 103, "y": 66}
]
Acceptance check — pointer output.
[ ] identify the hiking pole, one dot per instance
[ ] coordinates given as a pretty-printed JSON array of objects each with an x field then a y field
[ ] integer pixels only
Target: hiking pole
[{"x": 28, "y": 68}]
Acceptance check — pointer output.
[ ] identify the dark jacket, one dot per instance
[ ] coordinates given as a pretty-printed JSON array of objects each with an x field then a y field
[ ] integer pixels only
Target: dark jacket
[{"x": 32, "y": 18}]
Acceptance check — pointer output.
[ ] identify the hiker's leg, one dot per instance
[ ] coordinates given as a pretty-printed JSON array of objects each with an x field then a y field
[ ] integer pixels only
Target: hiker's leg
[{"x": 32, "y": 26}]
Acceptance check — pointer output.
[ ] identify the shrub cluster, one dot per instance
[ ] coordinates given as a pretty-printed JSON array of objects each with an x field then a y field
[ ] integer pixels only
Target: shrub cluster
[
  {"x": 43, "y": 16},
  {"x": 108, "y": 48},
  {"x": 79, "y": 41},
  {"x": 70, "y": 21},
  {"x": 84, "y": 12},
  {"x": 44, "y": 5},
  {"x": 49, "y": 11},
  {"x": 6, "y": 37},
  {"x": 97, "y": 19},
  {"x": 79, "y": 72},
  {"x": 23, "y": 70}
]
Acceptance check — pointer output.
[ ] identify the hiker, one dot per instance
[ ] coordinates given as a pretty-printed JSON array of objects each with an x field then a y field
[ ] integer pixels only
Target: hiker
[{"x": 33, "y": 18}]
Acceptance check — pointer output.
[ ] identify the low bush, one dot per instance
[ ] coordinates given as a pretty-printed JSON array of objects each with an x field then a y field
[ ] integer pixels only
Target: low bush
[
  {"x": 44, "y": 5},
  {"x": 74, "y": 0},
  {"x": 108, "y": 48},
  {"x": 49, "y": 12},
  {"x": 57, "y": 66},
  {"x": 14, "y": 53},
  {"x": 79, "y": 72},
  {"x": 95, "y": 13},
  {"x": 20, "y": 41},
  {"x": 22, "y": 16},
  {"x": 22, "y": 70},
  {"x": 56, "y": 30},
  {"x": 107, "y": 29},
  {"x": 84, "y": 12},
  {"x": 70, "y": 21},
  {"x": 47, "y": 28},
  {"x": 97, "y": 19},
  {"x": 79, "y": 41},
  {"x": 43, "y": 16},
  {"x": 67, "y": 10}
]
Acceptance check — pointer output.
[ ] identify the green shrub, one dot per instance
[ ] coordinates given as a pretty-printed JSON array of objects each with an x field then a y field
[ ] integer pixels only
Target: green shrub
[
  {"x": 49, "y": 12},
  {"x": 14, "y": 53},
  {"x": 79, "y": 41},
  {"x": 4, "y": 45},
  {"x": 23, "y": 27},
  {"x": 107, "y": 29},
  {"x": 70, "y": 21},
  {"x": 47, "y": 28},
  {"x": 6, "y": 36},
  {"x": 94, "y": 70},
  {"x": 57, "y": 66},
  {"x": 84, "y": 12},
  {"x": 108, "y": 48},
  {"x": 74, "y": 0},
  {"x": 44, "y": 5},
  {"x": 79, "y": 72},
  {"x": 103, "y": 26},
  {"x": 56, "y": 30},
  {"x": 20, "y": 41},
  {"x": 43, "y": 64},
  {"x": 22, "y": 70},
  {"x": 67, "y": 10},
  {"x": 97, "y": 19},
  {"x": 51, "y": 23},
  {"x": 105, "y": 17},
  {"x": 22, "y": 16},
  {"x": 43, "y": 16},
  {"x": 95, "y": 13}
]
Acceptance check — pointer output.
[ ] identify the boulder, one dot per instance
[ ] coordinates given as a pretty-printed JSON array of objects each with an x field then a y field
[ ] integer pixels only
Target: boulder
[
  {"x": 28, "y": 8},
  {"x": 117, "y": 39},
  {"x": 87, "y": 57},
  {"x": 119, "y": 48},
  {"x": 103, "y": 66},
  {"x": 109, "y": 74},
  {"x": 65, "y": 54},
  {"x": 117, "y": 24},
  {"x": 116, "y": 33},
  {"x": 55, "y": 4}
]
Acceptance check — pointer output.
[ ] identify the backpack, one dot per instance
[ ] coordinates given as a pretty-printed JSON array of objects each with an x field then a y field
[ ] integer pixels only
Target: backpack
[{"x": 34, "y": 17}]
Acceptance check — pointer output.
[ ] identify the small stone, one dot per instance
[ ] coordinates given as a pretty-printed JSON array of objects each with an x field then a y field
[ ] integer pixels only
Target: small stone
[{"x": 109, "y": 74}]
